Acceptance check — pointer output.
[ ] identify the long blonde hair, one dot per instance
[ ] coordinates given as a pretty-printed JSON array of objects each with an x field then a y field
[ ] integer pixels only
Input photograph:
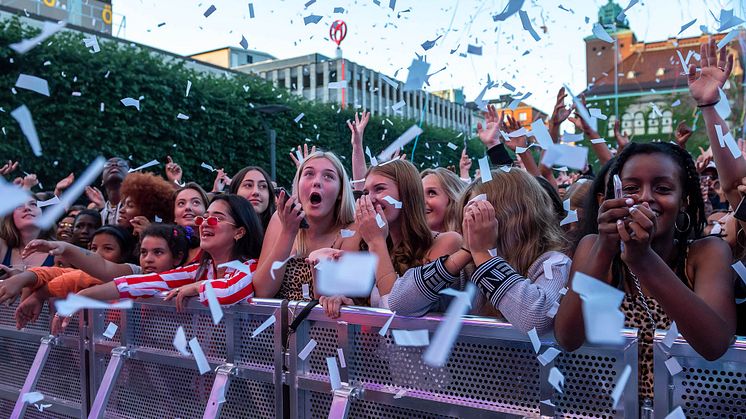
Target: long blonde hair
[
  {"x": 526, "y": 224},
  {"x": 453, "y": 187},
  {"x": 416, "y": 235},
  {"x": 344, "y": 208}
]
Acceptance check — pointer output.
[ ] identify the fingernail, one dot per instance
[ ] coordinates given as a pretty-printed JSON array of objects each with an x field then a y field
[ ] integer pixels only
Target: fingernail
[
  {"x": 633, "y": 209},
  {"x": 629, "y": 201},
  {"x": 619, "y": 222}
]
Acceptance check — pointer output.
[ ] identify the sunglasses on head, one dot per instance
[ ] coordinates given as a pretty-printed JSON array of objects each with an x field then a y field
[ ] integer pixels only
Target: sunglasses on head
[{"x": 211, "y": 221}]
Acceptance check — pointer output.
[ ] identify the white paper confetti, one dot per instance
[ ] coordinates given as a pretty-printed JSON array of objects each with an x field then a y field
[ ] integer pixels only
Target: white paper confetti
[
  {"x": 111, "y": 330},
  {"x": 448, "y": 329},
  {"x": 677, "y": 413},
  {"x": 345, "y": 233},
  {"x": 556, "y": 379},
  {"x": 23, "y": 116},
  {"x": 210, "y": 10},
  {"x": 400, "y": 142},
  {"x": 621, "y": 383},
  {"x": 334, "y": 380},
  {"x": 417, "y": 75},
  {"x": 180, "y": 342},
  {"x": 341, "y": 354},
  {"x": 199, "y": 356},
  {"x": 33, "y": 83},
  {"x": 671, "y": 335},
  {"x": 306, "y": 291},
  {"x": 182, "y": 116},
  {"x": 49, "y": 29},
  {"x": 299, "y": 117},
  {"x": 600, "y": 304},
  {"x": 548, "y": 356},
  {"x": 534, "y": 337},
  {"x": 145, "y": 166},
  {"x": 212, "y": 301},
  {"x": 237, "y": 265},
  {"x": 386, "y": 325},
  {"x": 338, "y": 84},
  {"x": 91, "y": 41},
  {"x": 128, "y": 101},
  {"x": 484, "y": 169},
  {"x": 307, "y": 349},
  {"x": 673, "y": 366},
  {"x": 50, "y": 216},
  {"x": 278, "y": 264},
  {"x": 392, "y": 201},
  {"x": 188, "y": 88},
  {"x": 352, "y": 275},
  {"x": 600, "y": 33},
  {"x": 267, "y": 323},
  {"x": 723, "y": 106},
  {"x": 53, "y": 200},
  {"x": 32, "y": 397},
  {"x": 526, "y": 22},
  {"x": 75, "y": 302},
  {"x": 411, "y": 337},
  {"x": 380, "y": 221}
]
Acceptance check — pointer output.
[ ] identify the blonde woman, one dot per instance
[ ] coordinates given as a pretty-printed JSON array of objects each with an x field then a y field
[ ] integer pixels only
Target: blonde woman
[
  {"x": 517, "y": 224},
  {"x": 442, "y": 192},
  {"x": 323, "y": 196}
]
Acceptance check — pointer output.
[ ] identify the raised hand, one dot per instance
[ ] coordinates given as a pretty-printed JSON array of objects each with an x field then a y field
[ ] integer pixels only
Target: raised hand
[
  {"x": 304, "y": 152},
  {"x": 622, "y": 139},
  {"x": 95, "y": 196},
  {"x": 715, "y": 70},
  {"x": 139, "y": 224},
  {"x": 357, "y": 127},
  {"x": 703, "y": 160},
  {"x": 365, "y": 218},
  {"x": 489, "y": 135},
  {"x": 64, "y": 184},
  {"x": 464, "y": 165},
  {"x": 8, "y": 168},
  {"x": 29, "y": 181},
  {"x": 173, "y": 171},
  {"x": 54, "y": 248},
  {"x": 290, "y": 212},
  {"x": 512, "y": 125},
  {"x": 682, "y": 134},
  {"x": 481, "y": 226},
  {"x": 221, "y": 180}
]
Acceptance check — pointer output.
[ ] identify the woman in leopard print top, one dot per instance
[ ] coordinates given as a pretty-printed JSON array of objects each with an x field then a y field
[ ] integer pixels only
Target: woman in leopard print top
[{"x": 682, "y": 277}]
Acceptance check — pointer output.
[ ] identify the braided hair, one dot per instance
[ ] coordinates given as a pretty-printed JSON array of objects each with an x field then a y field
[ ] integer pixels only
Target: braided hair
[{"x": 694, "y": 219}]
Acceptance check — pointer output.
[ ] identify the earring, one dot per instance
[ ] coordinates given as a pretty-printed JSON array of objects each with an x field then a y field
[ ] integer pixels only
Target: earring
[{"x": 688, "y": 222}]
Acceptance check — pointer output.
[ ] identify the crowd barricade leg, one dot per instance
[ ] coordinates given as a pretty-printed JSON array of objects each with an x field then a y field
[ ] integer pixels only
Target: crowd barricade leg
[
  {"x": 118, "y": 357},
  {"x": 701, "y": 388},
  {"x": 34, "y": 361}
]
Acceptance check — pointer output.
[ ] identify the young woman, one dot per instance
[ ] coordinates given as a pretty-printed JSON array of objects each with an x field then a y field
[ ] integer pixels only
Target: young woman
[
  {"x": 666, "y": 277},
  {"x": 146, "y": 196},
  {"x": 113, "y": 244},
  {"x": 190, "y": 202},
  {"x": 323, "y": 197},
  {"x": 515, "y": 221},
  {"x": 393, "y": 192},
  {"x": 254, "y": 184},
  {"x": 442, "y": 192},
  {"x": 229, "y": 231},
  {"x": 18, "y": 229}
]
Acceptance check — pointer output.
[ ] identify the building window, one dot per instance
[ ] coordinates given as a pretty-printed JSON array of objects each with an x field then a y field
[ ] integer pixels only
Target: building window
[
  {"x": 522, "y": 116},
  {"x": 667, "y": 122},
  {"x": 627, "y": 122},
  {"x": 610, "y": 126},
  {"x": 653, "y": 122},
  {"x": 639, "y": 124}
]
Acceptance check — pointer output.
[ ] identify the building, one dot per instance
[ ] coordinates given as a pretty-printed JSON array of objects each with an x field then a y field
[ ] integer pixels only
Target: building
[
  {"x": 310, "y": 76},
  {"x": 646, "y": 74},
  {"x": 231, "y": 57},
  {"x": 95, "y": 15},
  {"x": 523, "y": 112}
]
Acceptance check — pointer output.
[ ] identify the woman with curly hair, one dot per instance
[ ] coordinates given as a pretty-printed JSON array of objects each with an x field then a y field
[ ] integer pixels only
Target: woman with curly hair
[{"x": 145, "y": 197}]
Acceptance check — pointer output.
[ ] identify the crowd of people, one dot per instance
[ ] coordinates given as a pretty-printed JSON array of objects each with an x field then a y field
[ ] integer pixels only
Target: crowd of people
[{"x": 667, "y": 237}]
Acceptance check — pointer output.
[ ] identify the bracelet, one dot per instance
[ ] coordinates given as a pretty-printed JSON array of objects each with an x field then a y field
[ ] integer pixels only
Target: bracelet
[
  {"x": 465, "y": 250},
  {"x": 708, "y": 105}
]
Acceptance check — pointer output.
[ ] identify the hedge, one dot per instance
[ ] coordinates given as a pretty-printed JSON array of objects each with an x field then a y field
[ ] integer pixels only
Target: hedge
[{"x": 223, "y": 129}]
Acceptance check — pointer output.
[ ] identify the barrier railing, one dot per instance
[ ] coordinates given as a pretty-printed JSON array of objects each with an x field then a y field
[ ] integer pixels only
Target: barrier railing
[
  {"x": 32, "y": 360},
  {"x": 152, "y": 379},
  {"x": 492, "y": 371},
  {"x": 702, "y": 388}
]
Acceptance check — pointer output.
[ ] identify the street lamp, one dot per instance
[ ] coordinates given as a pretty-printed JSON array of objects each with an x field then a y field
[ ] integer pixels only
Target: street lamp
[{"x": 271, "y": 133}]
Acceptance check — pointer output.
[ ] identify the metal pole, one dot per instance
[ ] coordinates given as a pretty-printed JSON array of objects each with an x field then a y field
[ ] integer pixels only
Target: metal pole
[
  {"x": 616, "y": 74},
  {"x": 273, "y": 153}
]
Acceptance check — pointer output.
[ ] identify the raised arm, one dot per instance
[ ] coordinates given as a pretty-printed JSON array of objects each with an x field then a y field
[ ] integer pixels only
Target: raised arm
[
  {"x": 704, "y": 89},
  {"x": 83, "y": 259},
  {"x": 357, "y": 130},
  {"x": 600, "y": 148}
]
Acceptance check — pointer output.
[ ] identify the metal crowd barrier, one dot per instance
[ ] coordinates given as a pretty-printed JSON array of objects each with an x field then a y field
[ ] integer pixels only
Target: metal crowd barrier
[
  {"x": 492, "y": 372},
  {"x": 32, "y": 360},
  {"x": 140, "y": 374},
  {"x": 714, "y": 389}
]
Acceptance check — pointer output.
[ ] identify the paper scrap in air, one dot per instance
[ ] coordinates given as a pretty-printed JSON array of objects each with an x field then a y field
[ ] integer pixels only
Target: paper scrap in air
[
  {"x": 75, "y": 302},
  {"x": 352, "y": 275},
  {"x": 411, "y": 337},
  {"x": 237, "y": 265},
  {"x": 23, "y": 116},
  {"x": 199, "y": 356},
  {"x": 49, "y": 29},
  {"x": 400, "y": 142},
  {"x": 307, "y": 349},
  {"x": 33, "y": 83},
  {"x": 71, "y": 194},
  {"x": 548, "y": 356},
  {"x": 556, "y": 379},
  {"x": 484, "y": 169},
  {"x": 621, "y": 383},
  {"x": 445, "y": 336},
  {"x": 386, "y": 325},
  {"x": 110, "y": 331},
  {"x": 212, "y": 301},
  {"x": 267, "y": 323},
  {"x": 180, "y": 342},
  {"x": 145, "y": 166},
  {"x": 334, "y": 380}
]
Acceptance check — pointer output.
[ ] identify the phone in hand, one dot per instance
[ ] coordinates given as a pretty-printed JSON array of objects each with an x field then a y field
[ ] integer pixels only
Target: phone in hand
[
  {"x": 617, "y": 187},
  {"x": 740, "y": 213},
  {"x": 303, "y": 222}
]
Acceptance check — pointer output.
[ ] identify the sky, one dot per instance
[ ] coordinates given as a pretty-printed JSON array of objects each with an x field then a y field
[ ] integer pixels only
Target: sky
[{"x": 388, "y": 40}]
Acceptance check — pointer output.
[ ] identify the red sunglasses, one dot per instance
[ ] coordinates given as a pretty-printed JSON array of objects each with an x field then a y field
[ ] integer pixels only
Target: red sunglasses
[{"x": 212, "y": 221}]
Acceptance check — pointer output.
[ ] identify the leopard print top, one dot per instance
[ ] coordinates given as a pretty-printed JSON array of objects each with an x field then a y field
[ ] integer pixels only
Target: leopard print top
[
  {"x": 635, "y": 316},
  {"x": 297, "y": 273}
]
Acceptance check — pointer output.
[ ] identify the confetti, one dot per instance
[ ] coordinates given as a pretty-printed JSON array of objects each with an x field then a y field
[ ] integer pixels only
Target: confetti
[
  {"x": 527, "y": 25},
  {"x": 33, "y": 83},
  {"x": 182, "y": 116},
  {"x": 600, "y": 33},
  {"x": 548, "y": 356},
  {"x": 307, "y": 349},
  {"x": 145, "y": 166},
  {"x": 616, "y": 394},
  {"x": 510, "y": 9},
  {"x": 352, "y": 275},
  {"x": 341, "y": 355},
  {"x": 534, "y": 337},
  {"x": 74, "y": 302},
  {"x": 199, "y": 356},
  {"x": 312, "y": 19},
  {"x": 267, "y": 323},
  {"x": 210, "y": 10},
  {"x": 23, "y": 116},
  {"x": 474, "y": 50},
  {"x": 50, "y": 217},
  {"x": 128, "y": 101},
  {"x": 212, "y": 301},
  {"x": 411, "y": 337},
  {"x": 334, "y": 380},
  {"x": 111, "y": 330},
  {"x": 556, "y": 379},
  {"x": 673, "y": 366},
  {"x": 392, "y": 201},
  {"x": 92, "y": 42},
  {"x": 49, "y": 29},
  {"x": 484, "y": 169},
  {"x": 686, "y": 26}
]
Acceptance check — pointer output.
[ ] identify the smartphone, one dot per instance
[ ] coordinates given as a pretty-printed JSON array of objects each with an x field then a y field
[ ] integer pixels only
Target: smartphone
[
  {"x": 303, "y": 222},
  {"x": 617, "y": 187},
  {"x": 740, "y": 213},
  {"x": 357, "y": 194}
]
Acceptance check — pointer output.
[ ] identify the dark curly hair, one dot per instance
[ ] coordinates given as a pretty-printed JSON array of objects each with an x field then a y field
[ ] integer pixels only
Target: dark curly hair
[
  {"x": 152, "y": 194},
  {"x": 694, "y": 207},
  {"x": 174, "y": 235}
]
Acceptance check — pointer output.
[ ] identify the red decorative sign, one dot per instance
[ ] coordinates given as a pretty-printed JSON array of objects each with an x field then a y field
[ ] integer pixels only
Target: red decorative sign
[{"x": 338, "y": 31}]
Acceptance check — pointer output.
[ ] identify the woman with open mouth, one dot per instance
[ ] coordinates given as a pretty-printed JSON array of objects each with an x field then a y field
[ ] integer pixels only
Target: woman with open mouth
[{"x": 321, "y": 196}]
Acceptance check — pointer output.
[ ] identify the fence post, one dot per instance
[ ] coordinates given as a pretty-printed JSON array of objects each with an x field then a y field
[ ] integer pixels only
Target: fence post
[
  {"x": 33, "y": 375},
  {"x": 219, "y": 389},
  {"x": 118, "y": 356}
]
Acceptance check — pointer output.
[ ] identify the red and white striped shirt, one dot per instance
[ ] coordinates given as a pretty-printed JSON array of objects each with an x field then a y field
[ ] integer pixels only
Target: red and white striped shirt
[{"x": 234, "y": 287}]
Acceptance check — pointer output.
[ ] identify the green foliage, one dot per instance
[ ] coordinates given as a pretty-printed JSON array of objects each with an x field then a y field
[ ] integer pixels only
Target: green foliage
[{"x": 223, "y": 130}]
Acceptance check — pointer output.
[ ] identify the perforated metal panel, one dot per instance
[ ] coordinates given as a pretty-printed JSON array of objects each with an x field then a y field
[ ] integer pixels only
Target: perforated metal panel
[
  {"x": 147, "y": 390},
  {"x": 249, "y": 399},
  {"x": 7, "y": 320},
  {"x": 589, "y": 381},
  {"x": 321, "y": 402},
  {"x": 702, "y": 389},
  {"x": 6, "y": 408},
  {"x": 256, "y": 351}
]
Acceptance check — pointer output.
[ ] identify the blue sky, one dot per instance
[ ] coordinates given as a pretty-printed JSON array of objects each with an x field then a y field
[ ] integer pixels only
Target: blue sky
[{"x": 387, "y": 40}]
